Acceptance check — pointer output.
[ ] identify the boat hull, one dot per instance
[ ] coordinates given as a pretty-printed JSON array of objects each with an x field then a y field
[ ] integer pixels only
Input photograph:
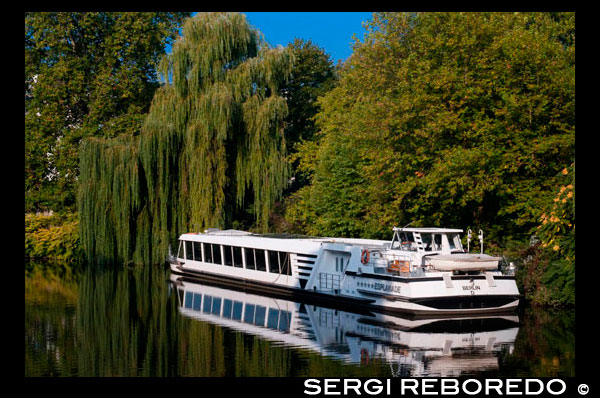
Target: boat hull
[{"x": 420, "y": 304}]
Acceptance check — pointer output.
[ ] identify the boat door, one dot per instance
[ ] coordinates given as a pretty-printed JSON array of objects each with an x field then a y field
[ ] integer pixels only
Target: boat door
[{"x": 333, "y": 264}]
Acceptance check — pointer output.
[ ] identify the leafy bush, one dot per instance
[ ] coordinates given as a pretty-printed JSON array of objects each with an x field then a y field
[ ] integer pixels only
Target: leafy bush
[{"x": 54, "y": 236}]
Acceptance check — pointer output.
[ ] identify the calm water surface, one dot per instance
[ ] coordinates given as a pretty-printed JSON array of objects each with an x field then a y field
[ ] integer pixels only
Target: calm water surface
[{"x": 145, "y": 322}]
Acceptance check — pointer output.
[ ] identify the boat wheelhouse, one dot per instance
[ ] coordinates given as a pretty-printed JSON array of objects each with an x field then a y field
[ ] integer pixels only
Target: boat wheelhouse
[{"x": 420, "y": 271}]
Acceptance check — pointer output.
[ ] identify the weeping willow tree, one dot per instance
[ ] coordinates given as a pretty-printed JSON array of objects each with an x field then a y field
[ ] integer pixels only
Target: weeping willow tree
[
  {"x": 110, "y": 199},
  {"x": 211, "y": 145}
]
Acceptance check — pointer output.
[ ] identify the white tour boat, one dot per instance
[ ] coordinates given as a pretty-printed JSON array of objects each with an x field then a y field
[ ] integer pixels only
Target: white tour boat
[
  {"x": 411, "y": 346},
  {"x": 420, "y": 271}
]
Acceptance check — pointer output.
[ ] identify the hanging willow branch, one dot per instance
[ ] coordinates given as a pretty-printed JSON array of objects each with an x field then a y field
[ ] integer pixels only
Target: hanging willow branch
[
  {"x": 109, "y": 198},
  {"x": 214, "y": 132}
]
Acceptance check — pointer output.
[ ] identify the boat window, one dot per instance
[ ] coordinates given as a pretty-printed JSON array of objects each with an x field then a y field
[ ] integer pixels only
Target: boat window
[
  {"x": 237, "y": 310},
  {"x": 227, "y": 306},
  {"x": 228, "y": 256},
  {"x": 284, "y": 321},
  {"x": 395, "y": 242},
  {"x": 426, "y": 238},
  {"x": 273, "y": 262},
  {"x": 216, "y": 306},
  {"x": 249, "y": 253},
  {"x": 237, "y": 257},
  {"x": 189, "y": 255},
  {"x": 207, "y": 253},
  {"x": 249, "y": 313},
  {"x": 261, "y": 264},
  {"x": 437, "y": 242},
  {"x": 273, "y": 319},
  {"x": 197, "y": 301},
  {"x": 189, "y": 297},
  {"x": 216, "y": 254},
  {"x": 407, "y": 241},
  {"x": 197, "y": 251},
  {"x": 207, "y": 304},
  {"x": 180, "y": 250},
  {"x": 260, "y": 315},
  {"x": 454, "y": 240},
  {"x": 284, "y": 261}
]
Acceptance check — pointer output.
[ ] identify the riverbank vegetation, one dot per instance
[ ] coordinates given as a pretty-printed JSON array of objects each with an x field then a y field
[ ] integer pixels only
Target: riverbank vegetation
[
  {"x": 54, "y": 237},
  {"x": 462, "y": 120}
]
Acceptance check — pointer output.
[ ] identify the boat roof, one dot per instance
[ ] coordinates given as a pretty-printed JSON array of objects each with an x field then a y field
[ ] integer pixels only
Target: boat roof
[
  {"x": 429, "y": 230},
  {"x": 274, "y": 241}
]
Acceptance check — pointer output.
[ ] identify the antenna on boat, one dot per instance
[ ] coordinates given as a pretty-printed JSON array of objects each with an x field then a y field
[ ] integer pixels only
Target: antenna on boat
[
  {"x": 481, "y": 240},
  {"x": 469, "y": 236},
  {"x": 407, "y": 225}
]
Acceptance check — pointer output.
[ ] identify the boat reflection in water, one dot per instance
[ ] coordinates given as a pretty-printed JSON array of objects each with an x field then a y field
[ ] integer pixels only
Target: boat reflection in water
[{"x": 411, "y": 346}]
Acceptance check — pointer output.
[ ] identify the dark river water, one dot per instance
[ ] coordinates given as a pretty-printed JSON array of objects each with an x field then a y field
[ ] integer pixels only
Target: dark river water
[{"x": 81, "y": 321}]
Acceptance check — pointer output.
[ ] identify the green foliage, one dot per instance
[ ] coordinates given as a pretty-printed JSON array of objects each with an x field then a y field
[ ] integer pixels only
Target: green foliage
[
  {"x": 549, "y": 272},
  {"x": 110, "y": 199},
  {"x": 211, "y": 147},
  {"x": 453, "y": 119},
  {"x": 312, "y": 76},
  {"x": 86, "y": 74},
  {"x": 55, "y": 237}
]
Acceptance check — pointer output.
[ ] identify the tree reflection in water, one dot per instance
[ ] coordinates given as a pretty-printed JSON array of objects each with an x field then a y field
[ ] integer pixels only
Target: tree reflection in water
[{"x": 134, "y": 322}]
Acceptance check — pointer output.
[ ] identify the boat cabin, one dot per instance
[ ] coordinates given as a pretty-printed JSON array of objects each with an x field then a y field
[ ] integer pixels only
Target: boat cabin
[{"x": 427, "y": 240}]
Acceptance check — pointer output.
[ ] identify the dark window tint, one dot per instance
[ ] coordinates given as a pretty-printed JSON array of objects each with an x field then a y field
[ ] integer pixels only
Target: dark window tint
[
  {"x": 261, "y": 264},
  {"x": 207, "y": 253},
  {"x": 249, "y": 313},
  {"x": 249, "y": 253},
  {"x": 227, "y": 255},
  {"x": 189, "y": 255},
  {"x": 197, "y": 251},
  {"x": 426, "y": 239},
  {"x": 237, "y": 310},
  {"x": 284, "y": 321},
  {"x": 216, "y": 249},
  {"x": 227, "y": 306},
  {"x": 197, "y": 301},
  {"x": 216, "y": 306},
  {"x": 437, "y": 242},
  {"x": 273, "y": 319},
  {"x": 189, "y": 297},
  {"x": 273, "y": 262},
  {"x": 207, "y": 304},
  {"x": 237, "y": 257},
  {"x": 284, "y": 261},
  {"x": 259, "y": 317}
]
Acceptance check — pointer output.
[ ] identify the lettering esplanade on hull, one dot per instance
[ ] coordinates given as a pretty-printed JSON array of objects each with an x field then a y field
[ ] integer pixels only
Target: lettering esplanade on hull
[{"x": 420, "y": 271}]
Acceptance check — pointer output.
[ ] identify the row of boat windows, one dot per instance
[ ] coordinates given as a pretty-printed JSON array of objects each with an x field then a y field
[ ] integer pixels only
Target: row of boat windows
[
  {"x": 236, "y": 310},
  {"x": 241, "y": 257}
]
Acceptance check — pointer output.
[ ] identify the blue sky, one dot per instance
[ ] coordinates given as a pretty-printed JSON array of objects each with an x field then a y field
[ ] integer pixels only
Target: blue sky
[{"x": 331, "y": 31}]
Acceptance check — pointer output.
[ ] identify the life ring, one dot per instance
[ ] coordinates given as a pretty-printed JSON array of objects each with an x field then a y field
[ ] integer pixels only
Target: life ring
[{"x": 364, "y": 256}]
